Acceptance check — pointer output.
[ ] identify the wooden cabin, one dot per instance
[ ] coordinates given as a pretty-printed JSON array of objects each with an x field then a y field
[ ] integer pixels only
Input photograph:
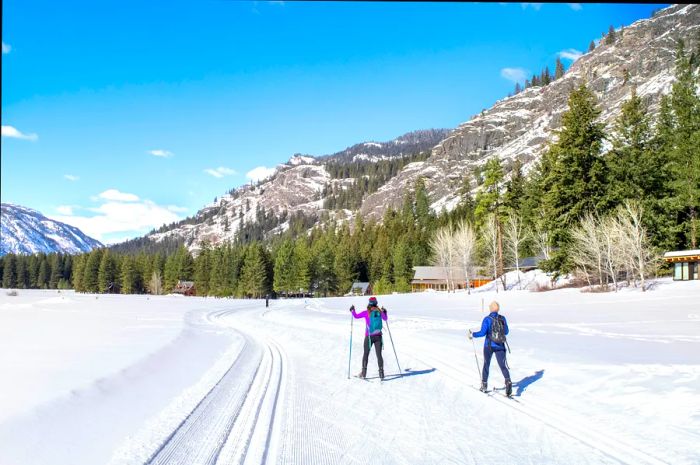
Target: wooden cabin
[
  {"x": 185, "y": 288},
  {"x": 436, "y": 278},
  {"x": 686, "y": 264},
  {"x": 360, "y": 288}
]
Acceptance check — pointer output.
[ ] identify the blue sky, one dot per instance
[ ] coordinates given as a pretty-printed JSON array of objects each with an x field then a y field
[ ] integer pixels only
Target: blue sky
[{"x": 120, "y": 116}]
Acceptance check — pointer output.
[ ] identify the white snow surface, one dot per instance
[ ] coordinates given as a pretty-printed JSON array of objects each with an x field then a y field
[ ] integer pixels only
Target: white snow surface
[{"x": 598, "y": 378}]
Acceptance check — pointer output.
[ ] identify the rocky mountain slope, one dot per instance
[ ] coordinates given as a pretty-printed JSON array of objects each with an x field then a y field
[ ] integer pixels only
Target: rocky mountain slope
[
  {"x": 26, "y": 231},
  {"x": 520, "y": 126}
]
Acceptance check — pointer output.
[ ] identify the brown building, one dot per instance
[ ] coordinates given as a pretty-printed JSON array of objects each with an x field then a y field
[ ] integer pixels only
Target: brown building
[
  {"x": 437, "y": 278},
  {"x": 185, "y": 288},
  {"x": 686, "y": 264}
]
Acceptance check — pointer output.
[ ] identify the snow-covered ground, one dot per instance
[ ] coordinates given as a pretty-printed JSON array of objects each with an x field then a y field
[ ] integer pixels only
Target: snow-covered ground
[{"x": 598, "y": 378}]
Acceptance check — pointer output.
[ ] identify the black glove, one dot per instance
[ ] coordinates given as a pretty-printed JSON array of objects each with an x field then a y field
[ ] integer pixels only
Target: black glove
[
  {"x": 352, "y": 307},
  {"x": 384, "y": 309},
  {"x": 469, "y": 335}
]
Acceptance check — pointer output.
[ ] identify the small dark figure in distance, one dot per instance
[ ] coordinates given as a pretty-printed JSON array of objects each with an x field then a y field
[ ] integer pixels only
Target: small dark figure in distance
[
  {"x": 373, "y": 334},
  {"x": 267, "y": 300},
  {"x": 494, "y": 328}
]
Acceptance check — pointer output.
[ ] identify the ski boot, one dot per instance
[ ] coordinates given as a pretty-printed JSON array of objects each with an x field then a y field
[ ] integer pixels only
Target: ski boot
[
  {"x": 509, "y": 388},
  {"x": 381, "y": 374},
  {"x": 483, "y": 386},
  {"x": 362, "y": 374}
]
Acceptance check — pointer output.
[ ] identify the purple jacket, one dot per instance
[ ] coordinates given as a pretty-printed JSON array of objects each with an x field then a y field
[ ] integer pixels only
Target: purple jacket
[{"x": 365, "y": 314}]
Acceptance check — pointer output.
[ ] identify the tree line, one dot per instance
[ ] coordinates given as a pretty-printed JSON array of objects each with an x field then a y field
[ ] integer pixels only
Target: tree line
[{"x": 600, "y": 213}]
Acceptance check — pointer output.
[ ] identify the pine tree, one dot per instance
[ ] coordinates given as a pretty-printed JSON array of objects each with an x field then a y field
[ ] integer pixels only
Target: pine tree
[
  {"x": 518, "y": 89},
  {"x": 345, "y": 262},
  {"x": 559, "y": 69},
  {"x": 610, "y": 38},
  {"x": 42, "y": 280},
  {"x": 202, "y": 267},
  {"x": 128, "y": 275},
  {"x": 91, "y": 271},
  {"x": 284, "y": 279},
  {"x": 107, "y": 273},
  {"x": 56, "y": 266},
  {"x": 78, "y": 273},
  {"x": 591, "y": 46},
  {"x": 9, "y": 271},
  {"x": 576, "y": 181},
  {"x": 302, "y": 262},
  {"x": 253, "y": 280},
  {"x": 685, "y": 151}
]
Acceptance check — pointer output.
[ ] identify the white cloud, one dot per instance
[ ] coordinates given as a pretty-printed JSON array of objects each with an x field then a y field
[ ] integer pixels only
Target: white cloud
[
  {"x": 161, "y": 153},
  {"x": 9, "y": 131},
  {"x": 220, "y": 172},
  {"x": 114, "y": 194},
  {"x": 514, "y": 74},
  {"x": 575, "y": 6},
  {"x": 116, "y": 219},
  {"x": 260, "y": 173},
  {"x": 570, "y": 54},
  {"x": 71, "y": 177},
  {"x": 6, "y": 48},
  {"x": 534, "y": 6},
  {"x": 176, "y": 209},
  {"x": 65, "y": 210}
]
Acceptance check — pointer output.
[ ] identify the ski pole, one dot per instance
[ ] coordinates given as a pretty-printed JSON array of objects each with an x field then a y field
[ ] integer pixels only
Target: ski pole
[
  {"x": 352, "y": 319},
  {"x": 394, "y": 347},
  {"x": 476, "y": 359}
]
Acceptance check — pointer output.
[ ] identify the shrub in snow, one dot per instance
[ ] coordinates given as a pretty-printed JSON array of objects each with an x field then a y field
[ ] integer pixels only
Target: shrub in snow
[{"x": 12, "y": 293}]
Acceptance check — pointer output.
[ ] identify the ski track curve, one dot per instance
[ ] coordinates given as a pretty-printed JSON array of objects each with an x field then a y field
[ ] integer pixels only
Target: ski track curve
[
  {"x": 236, "y": 421},
  {"x": 606, "y": 444}
]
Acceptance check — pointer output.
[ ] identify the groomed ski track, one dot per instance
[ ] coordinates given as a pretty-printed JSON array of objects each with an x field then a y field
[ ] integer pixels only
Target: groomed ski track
[{"x": 286, "y": 399}]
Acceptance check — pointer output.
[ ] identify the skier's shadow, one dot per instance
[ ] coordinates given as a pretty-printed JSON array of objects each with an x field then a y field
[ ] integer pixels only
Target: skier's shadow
[
  {"x": 408, "y": 372},
  {"x": 526, "y": 381}
]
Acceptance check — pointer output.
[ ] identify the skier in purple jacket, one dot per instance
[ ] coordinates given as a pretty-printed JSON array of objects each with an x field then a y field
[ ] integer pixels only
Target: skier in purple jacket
[{"x": 373, "y": 334}]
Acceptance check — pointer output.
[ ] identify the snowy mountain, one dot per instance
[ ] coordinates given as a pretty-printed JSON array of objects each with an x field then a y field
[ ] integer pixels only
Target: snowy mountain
[
  {"x": 26, "y": 231},
  {"x": 642, "y": 57}
]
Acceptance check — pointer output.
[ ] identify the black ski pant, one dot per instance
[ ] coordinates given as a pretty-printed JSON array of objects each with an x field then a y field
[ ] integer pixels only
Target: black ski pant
[
  {"x": 500, "y": 358},
  {"x": 378, "y": 343}
]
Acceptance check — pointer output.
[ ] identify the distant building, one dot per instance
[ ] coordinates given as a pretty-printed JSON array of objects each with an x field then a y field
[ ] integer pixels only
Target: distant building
[
  {"x": 185, "y": 288},
  {"x": 360, "y": 289},
  {"x": 527, "y": 264},
  {"x": 436, "y": 278},
  {"x": 686, "y": 264}
]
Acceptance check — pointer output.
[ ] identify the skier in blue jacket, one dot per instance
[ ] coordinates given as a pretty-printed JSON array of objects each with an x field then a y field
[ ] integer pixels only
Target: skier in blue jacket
[{"x": 494, "y": 328}]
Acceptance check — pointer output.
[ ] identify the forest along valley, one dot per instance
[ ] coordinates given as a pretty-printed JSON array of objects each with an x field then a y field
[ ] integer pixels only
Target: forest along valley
[{"x": 597, "y": 378}]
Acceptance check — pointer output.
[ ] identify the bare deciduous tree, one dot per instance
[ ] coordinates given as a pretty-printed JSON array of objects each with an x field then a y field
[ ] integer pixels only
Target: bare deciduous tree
[
  {"x": 155, "y": 285},
  {"x": 515, "y": 236},
  {"x": 635, "y": 241},
  {"x": 443, "y": 252},
  {"x": 464, "y": 242}
]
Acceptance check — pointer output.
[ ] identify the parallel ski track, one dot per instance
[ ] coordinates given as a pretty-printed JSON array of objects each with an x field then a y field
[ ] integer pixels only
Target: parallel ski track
[
  {"x": 243, "y": 402},
  {"x": 611, "y": 447}
]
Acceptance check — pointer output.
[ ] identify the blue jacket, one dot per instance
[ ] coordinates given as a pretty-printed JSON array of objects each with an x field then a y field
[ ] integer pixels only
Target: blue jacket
[{"x": 486, "y": 330}]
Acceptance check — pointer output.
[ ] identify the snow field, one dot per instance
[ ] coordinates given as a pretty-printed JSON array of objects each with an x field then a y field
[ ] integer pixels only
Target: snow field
[{"x": 598, "y": 378}]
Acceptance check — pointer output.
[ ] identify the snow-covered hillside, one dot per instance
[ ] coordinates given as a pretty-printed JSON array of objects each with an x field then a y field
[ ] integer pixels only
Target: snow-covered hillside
[
  {"x": 598, "y": 378},
  {"x": 26, "y": 231}
]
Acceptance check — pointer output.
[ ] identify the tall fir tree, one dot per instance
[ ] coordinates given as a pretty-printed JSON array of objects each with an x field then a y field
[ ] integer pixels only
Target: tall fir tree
[
  {"x": 576, "y": 181},
  {"x": 558, "y": 69}
]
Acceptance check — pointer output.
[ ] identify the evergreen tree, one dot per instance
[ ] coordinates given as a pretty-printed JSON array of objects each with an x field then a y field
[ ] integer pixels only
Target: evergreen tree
[
  {"x": 558, "y": 69},
  {"x": 56, "y": 270},
  {"x": 129, "y": 280},
  {"x": 345, "y": 262},
  {"x": 202, "y": 267},
  {"x": 91, "y": 271},
  {"x": 610, "y": 38},
  {"x": 42, "y": 280},
  {"x": 79, "y": 273},
  {"x": 576, "y": 181},
  {"x": 9, "y": 271},
  {"x": 284, "y": 280},
  {"x": 685, "y": 149},
  {"x": 253, "y": 282},
  {"x": 303, "y": 272},
  {"x": 107, "y": 273},
  {"x": 591, "y": 46}
]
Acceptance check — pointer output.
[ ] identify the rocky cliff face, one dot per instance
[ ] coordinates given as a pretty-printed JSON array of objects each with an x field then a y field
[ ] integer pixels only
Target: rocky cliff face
[
  {"x": 521, "y": 126},
  {"x": 26, "y": 231},
  {"x": 642, "y": 57}
]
